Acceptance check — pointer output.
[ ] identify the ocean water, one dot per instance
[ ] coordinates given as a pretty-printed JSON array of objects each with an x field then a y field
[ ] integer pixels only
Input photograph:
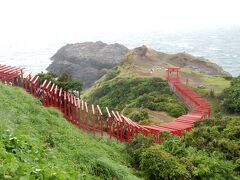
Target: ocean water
[{"x": 221, "y": 46}]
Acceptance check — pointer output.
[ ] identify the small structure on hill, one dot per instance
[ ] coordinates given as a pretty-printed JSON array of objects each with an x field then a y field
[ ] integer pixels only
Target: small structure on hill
[{"x": 171, "y": 70}]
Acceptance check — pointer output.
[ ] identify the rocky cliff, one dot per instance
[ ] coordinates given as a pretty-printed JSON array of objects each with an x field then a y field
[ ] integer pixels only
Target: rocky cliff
[
  {"x": 148, "y": 58},
  {"x": 87, "y": 61}
]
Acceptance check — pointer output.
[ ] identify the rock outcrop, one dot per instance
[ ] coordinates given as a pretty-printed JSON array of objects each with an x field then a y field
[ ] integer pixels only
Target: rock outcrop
[
  {"x": 143, "y": 57},
  {"x": 87, "y": 61}
]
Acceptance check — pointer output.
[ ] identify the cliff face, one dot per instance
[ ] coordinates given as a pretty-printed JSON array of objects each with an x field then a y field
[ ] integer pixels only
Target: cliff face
[{"x": 87, "y": 61}]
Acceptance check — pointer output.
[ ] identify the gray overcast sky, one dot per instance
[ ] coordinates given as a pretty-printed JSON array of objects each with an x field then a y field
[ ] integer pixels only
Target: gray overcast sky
[{"x": 26, "y": 21}]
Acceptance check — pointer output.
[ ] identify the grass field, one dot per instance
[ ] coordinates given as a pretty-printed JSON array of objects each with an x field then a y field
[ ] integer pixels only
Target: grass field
[{"x": 38, "y": 143}]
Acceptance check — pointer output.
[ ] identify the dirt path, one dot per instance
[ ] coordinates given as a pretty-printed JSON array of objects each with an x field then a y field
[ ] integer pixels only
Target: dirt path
[{"x": 158, "y": 117}]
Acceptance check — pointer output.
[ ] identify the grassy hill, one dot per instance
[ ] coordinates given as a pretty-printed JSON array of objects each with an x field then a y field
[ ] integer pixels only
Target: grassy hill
[
  {"x": 38, "y": 143},
  {"x": 141, "y": 70}
]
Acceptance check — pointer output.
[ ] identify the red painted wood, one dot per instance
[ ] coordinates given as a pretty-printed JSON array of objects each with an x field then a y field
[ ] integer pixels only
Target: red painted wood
[
  {"x": 117, "y": 125},
  {"x": 93, "y": 120}
]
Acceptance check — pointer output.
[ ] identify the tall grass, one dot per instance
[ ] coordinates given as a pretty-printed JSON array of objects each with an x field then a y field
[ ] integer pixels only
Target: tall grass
[{"x": 38, "y": 143}]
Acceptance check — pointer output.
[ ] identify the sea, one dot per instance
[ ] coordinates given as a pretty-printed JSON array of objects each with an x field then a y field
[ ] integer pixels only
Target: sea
[{"x": 219, "y": 45}]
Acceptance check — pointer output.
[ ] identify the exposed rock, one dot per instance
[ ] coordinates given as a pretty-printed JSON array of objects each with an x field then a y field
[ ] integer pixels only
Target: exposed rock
[
  {"x": 198, "y": 64},
  {"x": 87, "y": 61},
  {"x": 148, "y": 58}
]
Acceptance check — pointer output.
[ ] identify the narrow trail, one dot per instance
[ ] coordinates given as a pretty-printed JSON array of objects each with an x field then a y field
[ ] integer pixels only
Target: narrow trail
[{"x": 90, "y": 117}]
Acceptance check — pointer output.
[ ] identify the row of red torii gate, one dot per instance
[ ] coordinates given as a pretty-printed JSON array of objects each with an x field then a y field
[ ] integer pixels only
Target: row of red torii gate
[{"x": 104, "y": 122}]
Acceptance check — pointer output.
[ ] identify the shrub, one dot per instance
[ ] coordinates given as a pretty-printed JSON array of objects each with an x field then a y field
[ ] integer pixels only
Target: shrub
[
  {"x": 159, "y": 164},
  {"x": 209, "y": 167},
  {"x": 212, "y": 93},
  {"x": 137, "y": 146},
  {"x": 112, "y": 73},
  {"x": 231, "y": 97},
  {"x": 151, "y": 93},
  {"x": 139, "y": 115},
  {"x": 175, "y": 110},
  {"x": 210, "y": 150}
]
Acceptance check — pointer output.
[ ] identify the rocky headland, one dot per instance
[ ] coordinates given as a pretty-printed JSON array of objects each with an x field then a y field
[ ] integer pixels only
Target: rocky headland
[{"x": 87, "y": 61}]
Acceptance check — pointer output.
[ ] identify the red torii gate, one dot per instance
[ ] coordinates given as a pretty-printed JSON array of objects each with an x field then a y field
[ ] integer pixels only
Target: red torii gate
[
  {"x": 90, "y": 118},
  {"x": 171, "y": 70}
]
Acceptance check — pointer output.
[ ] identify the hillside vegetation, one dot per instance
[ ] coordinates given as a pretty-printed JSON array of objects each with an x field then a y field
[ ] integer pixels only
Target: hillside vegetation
[
  {"x": 134, "y": 96},
  {"x": 38, "y": 143},
  {"x": 230, "y": 97},
  {"x": 211, "y": 150},
  {"x": 145, "y": 96}
]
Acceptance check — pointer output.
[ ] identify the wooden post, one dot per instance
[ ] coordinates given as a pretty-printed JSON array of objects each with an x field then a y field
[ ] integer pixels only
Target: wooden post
[
  {"x": 65, "y": 104},
  {"x": 31, "y": 84},
  {"x": 60, "y": 100},
  {"x": 100, "y": 124},
  {"x": 47, "y": 93},
  {"x": 121, "y": 126},
  {"x": 56, "y": 95},
  {"x": 93, "y": 120},
  {"x": 52, "y": 95},
  {"x": 35, "y": 86},
  {"x": 72, "y": 110},
  {"x": 43, "y": 92},
  {"x": 83, "y": 116},
  {"x": 86, "y": 109},
  {"x": 79, "y": 112},
  {"x": 108, "y": 117},
  {"x": 117, "y": 125},
  {"x": 69, "y": 108}
]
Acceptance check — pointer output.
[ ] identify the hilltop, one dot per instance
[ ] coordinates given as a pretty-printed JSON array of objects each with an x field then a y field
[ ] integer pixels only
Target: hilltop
[{"x": 38, "y": 143}]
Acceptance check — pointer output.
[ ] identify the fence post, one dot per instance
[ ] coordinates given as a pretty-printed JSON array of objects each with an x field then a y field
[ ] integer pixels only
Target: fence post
[
  {"x": 47, "y": 93},
  {"x": 79, "y": 112},
  {"x": 100, "y": 125},
  {"x": 60, "y": 100},
  {"x": 121, "y": 126},
  {"x": 93, "y": 120},
  {"x": 83, "y": 116},
  {"x": 86, "y": 108},
  {"x": 65, "y": 103},
  {"x": 69, "y": 104}
]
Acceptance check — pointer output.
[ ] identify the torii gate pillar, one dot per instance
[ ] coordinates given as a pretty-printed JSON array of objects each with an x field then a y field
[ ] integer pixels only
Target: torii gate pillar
[{"x": 171, "y": 71}]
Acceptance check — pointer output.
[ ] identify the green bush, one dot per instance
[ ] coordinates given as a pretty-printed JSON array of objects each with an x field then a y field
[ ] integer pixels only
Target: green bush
[
  {"x": 175, "y": 110},
  {"x": 205, "y": 166},
  {"x": 159, "y": 164},
  {"x": 112, "y": 73},
  {"x": 211, "y": 150},
  {"x": 64, "y": 81},
  {"x": 139, "y": 115},
  {"x": 151, "y": 93},
  {"x": 137, "y": 146},
  {"x": 231, "y": 97}
]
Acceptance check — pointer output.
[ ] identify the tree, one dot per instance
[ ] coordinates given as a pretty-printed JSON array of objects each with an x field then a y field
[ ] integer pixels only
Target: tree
[
  {"x": 71, "y": 85},
  {"x": 64, "y": 81},
  {"x": 231, "y": 97}
]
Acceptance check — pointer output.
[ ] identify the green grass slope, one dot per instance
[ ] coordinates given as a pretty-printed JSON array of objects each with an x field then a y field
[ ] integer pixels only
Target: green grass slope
[
  {"x": 136, "y": 97},
  {"x": 38, "y": 143}
]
